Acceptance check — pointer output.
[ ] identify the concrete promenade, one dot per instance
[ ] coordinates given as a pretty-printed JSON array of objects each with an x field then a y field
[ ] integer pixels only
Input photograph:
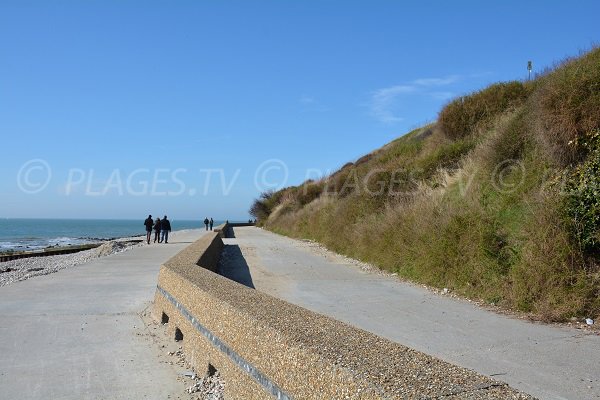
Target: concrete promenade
[
  {"x": 77, "y": 333},
  {"x": 545, "y": 361}
]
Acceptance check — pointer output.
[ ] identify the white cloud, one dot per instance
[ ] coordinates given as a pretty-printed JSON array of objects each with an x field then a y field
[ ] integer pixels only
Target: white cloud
[
  {"x": 384, "y": 102},
  {"x": 436, "y": 81},
  {"x": 307, "y": 100}
]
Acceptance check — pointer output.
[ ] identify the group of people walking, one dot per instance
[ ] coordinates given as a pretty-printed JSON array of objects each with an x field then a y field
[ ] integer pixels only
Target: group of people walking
[{"x": 161, "y": 228}]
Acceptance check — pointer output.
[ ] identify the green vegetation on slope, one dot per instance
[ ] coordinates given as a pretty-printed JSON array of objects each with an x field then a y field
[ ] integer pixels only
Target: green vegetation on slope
[{"x": 498, "y": 200}]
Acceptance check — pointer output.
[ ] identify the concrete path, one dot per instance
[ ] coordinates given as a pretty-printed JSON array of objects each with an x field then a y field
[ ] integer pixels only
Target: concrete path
[
  {"x": 77, "y": 333},
  {"x": 546, "y": 361}
]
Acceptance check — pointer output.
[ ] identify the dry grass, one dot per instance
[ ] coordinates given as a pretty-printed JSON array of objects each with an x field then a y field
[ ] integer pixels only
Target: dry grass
[{"x": 567, "y": 104}]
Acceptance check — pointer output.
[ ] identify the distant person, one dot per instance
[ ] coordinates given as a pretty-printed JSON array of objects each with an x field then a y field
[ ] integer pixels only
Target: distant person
[
  {"x": 165, "y": 228},
  {"x": 206, "y": 221},
  {"x": 157, "y": 230},
  {"x": 211, "y": 222},
  {"x": 149, "y": 223}
]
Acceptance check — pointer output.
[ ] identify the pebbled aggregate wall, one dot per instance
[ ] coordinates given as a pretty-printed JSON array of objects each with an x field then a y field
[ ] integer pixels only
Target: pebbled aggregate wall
[{"x": 266, "y": 348}]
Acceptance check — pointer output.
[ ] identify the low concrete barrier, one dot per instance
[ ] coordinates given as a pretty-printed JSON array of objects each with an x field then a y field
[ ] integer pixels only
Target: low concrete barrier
[
  {"x": 226, "y": 230},
  {"x": 264, "y": 347}
]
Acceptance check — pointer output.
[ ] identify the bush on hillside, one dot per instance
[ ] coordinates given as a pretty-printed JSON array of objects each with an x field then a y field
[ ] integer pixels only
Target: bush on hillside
[
  {"x": 264, "y": 205},
  {"x": 342, "y": 182},
  {"x": 510, "y": 142},
  {"x": 309, "y": 191},
  {"x": 583, "y": 201},
  {"x": 568, "y": 106},
  {"x": 444, "y": 156},
  {"x": 552, "y": 278},
  {"x": 462, "y": 116}
]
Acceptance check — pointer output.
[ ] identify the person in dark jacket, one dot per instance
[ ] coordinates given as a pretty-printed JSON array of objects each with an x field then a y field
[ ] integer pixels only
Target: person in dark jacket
[
  {"x": 206, "y": 223},
  {"x": 165, "y": 228},
  {"x": 157, "y": 230},
  {"x": 210, "y": 223},
  {"x": 148, "y": 223}
]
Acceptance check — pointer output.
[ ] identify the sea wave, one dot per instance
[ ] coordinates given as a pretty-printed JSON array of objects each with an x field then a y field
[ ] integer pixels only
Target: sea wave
[{"x": 32, "y": 244}]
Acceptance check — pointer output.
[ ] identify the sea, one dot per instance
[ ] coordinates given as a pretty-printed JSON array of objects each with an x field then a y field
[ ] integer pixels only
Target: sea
[{"x": 25, "y": 234}]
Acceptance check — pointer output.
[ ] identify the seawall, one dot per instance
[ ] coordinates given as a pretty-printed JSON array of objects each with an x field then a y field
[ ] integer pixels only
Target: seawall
[{"x": 267, "y": 348}]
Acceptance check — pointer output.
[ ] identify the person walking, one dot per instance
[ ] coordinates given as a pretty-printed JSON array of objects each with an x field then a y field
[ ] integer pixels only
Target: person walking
[
  {"x": 211, "y": 222},
  {"x": 165, "y": 228},
  {"x": 148, "y": 223},
  {"x": 157, "y": 230},
  {"x": 206, "y": 223}
]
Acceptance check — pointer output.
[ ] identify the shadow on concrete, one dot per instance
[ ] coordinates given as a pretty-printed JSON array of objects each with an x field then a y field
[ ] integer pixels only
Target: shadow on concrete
[
  {"x": 233, "y": 265},
  {"x": 229, "y": 233}
]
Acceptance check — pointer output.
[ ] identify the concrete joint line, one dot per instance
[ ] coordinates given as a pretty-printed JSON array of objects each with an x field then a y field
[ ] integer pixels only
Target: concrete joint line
[{"x": 233, "y": 356}]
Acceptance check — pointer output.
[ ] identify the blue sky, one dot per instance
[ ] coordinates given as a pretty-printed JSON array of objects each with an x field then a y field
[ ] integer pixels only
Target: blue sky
[{"x": 118, "y": 109}]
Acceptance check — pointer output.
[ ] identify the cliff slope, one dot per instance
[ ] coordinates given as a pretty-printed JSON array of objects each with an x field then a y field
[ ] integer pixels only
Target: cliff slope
[{"x": 498, "y": 200}]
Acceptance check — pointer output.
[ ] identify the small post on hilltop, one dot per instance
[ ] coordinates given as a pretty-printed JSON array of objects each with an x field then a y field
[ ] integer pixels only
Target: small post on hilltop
[{"x": 529, "y": 68}]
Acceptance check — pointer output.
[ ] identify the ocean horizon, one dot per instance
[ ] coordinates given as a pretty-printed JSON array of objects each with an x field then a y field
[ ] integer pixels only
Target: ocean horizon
[{"x": 23, "y": 234}]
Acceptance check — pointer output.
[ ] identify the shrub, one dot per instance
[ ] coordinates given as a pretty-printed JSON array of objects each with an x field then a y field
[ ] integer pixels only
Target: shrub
[
  {"x": 445, "y": 156},
  {"x": 264, "y": 205},
  {"x": 403, "y": 149},
  {"x": 568, "y": 103},
  {"x": 464, "y": 115},
  {"x": 513, "y": 134},
  {"x": 551, "y": 279},
  {"x": 583, "y": 201},
  {"x": 344, "y": 182},
  {"x": 309, "y": 192}
]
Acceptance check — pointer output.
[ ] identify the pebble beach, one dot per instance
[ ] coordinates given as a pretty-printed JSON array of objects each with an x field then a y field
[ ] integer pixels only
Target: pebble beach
[{"x": 25, "y": 268}]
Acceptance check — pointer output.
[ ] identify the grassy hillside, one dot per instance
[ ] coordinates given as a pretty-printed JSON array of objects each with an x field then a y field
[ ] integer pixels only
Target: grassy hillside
[{"x": 498, "y": 200}]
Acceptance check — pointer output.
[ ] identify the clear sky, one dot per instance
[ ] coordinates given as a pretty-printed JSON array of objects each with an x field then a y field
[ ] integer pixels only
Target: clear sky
[{"x": 118, "y": 109}]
